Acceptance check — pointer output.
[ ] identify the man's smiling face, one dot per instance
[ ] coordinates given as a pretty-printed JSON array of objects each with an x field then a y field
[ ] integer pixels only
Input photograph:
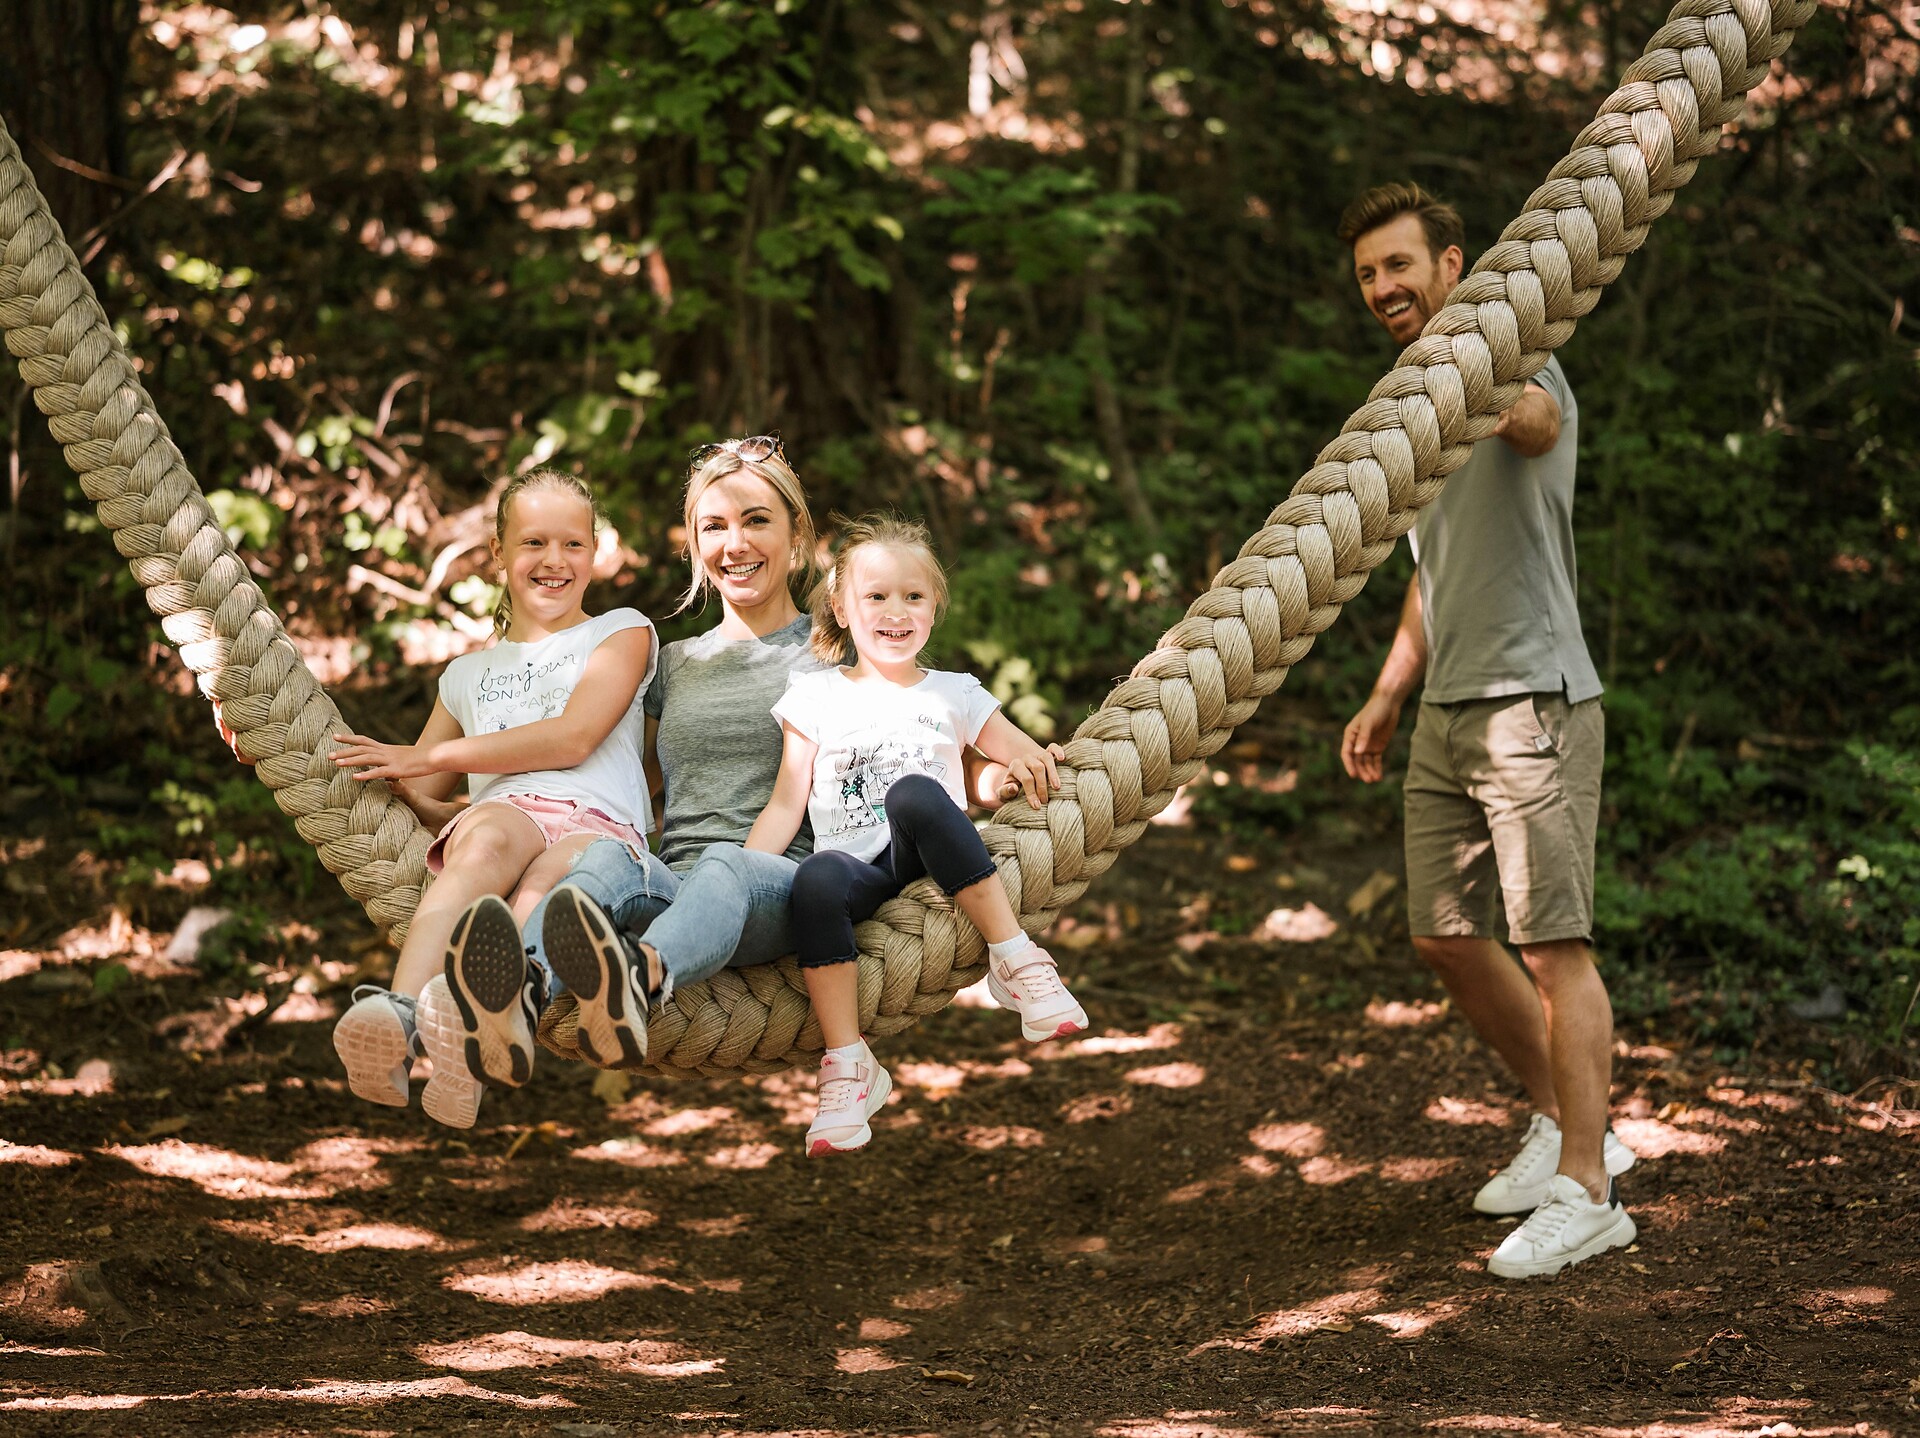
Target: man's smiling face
[{"x": 1403, "y": 282}]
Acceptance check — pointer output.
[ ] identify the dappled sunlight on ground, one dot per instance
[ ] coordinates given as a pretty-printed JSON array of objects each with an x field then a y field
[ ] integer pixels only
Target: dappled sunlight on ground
[
  {"x": 925, "y": 1300},
  {"x": 1467, "y": 1112},
  {"x": 568, "y": 1281},
  {"x": 1168, "y": 1076},
  {"x": 492, "y": 1352},
  {"x": 35, "y": 1155},
  {"x": 337, "y": 1393},
  {"x": 1178, "y": 1423},
  {"x": 1306, "y": 925},
  {"x": 220, "y": 1172},
  {"x": 630, "y": 1153},
  {"x": 744, "y": 1155},
  {"x": 1092, "y": 1107},
  {"x": 1392, "y": 1014},
  {"x": 1649, "y": 1138},
  {"x": 987, "y": 1137},
  {"x": 862, "y": 1360},
  {"x": 568, "y": 1215}
]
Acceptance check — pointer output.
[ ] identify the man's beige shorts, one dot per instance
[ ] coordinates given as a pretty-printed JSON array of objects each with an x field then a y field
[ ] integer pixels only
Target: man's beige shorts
[{"x": 1503, "y": 798}]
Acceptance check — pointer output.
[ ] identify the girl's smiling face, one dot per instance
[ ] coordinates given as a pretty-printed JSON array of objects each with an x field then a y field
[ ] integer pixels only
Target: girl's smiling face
[
  {"x": 547, "y": 555},
  {"x": 744, "y": 537},
  {"x": 887, "y": 602}
]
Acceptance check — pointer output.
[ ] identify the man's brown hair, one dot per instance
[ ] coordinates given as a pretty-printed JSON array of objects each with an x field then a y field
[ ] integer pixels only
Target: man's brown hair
[{"x": 1439, "y": 221}]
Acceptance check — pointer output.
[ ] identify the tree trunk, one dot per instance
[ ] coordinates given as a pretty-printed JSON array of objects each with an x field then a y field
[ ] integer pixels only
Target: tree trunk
[{"x": 62, "y": 66}]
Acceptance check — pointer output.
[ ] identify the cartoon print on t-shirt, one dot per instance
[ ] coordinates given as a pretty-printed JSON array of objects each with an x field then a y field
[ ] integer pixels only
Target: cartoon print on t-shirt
[{"x": 866, "y": 771}]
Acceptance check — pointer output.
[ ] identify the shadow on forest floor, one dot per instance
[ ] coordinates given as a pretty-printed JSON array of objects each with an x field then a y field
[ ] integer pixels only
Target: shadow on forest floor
[{"x": 1240, "y": 1207}]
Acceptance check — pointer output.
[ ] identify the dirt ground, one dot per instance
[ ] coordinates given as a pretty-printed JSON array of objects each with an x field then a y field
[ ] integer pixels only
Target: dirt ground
[{"x": 1239, "y": 1207}]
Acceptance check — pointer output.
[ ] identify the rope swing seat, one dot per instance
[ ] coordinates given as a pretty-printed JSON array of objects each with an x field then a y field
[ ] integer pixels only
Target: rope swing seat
[{"x": 1156, "y": 728}]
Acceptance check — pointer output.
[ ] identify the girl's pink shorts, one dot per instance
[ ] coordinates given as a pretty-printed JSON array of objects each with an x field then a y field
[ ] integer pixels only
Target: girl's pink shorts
[{"x": 557, "y": 818}]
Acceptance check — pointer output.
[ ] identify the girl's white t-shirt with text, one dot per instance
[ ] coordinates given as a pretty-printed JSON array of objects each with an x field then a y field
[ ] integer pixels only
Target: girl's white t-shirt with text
[
  {"x": 512, "y": 684},
  {"x": 870, "y": 735}
]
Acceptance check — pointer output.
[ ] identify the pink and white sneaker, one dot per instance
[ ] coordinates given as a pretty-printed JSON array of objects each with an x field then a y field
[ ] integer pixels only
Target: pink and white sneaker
[
  {"x": 1029, "y": 983},
  {"x": 853, "y": 1088}
]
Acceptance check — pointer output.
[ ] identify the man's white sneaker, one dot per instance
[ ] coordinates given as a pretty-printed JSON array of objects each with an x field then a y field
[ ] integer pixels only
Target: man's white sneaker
[
  {"x": 452, "y": 1095},
  {"x": 375, "y": 1040},
  {"x": 1568, "y": 1228},
  {"x": 1029, "y": 984},
  {"x": 492, "y": 987},
  {"x": 852, "y": 1090},
  {"x": 606, "y": 972},
  {"x": 1527, "y": 1182}
]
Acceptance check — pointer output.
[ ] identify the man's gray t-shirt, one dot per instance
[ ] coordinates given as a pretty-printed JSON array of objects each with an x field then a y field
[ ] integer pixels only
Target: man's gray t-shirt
[
  {"x": 1497, "y": 572},
  {"x": 718, "y": 742}
]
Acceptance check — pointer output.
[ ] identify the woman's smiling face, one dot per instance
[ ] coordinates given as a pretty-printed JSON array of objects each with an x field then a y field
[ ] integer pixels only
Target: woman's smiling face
[{"x": 744, "y": 537}]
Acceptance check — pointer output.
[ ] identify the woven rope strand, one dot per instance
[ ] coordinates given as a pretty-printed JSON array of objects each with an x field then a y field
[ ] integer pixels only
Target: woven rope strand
[{"x": 1156, "y": 729}]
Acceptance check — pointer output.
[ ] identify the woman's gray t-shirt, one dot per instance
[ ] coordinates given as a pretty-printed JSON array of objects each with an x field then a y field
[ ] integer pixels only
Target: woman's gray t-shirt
[{"x": 718, "y": 742}]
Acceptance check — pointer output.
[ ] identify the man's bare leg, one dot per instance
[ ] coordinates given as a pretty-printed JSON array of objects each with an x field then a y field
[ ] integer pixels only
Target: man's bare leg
[
  {"x": 1502, "y": 1004},
  {"x": 1579, "y": 1021}
]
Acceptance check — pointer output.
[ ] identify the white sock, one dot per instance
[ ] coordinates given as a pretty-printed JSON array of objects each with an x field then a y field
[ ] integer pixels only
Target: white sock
[
  {"x": 852, "y": 1052},
  {"x": 1010, "y": 948}
]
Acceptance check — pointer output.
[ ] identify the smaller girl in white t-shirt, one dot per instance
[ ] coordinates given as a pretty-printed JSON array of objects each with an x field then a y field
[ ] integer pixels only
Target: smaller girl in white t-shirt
[
  {"x": 547, "y": 724},
  {"x": 875, "y": 757}
]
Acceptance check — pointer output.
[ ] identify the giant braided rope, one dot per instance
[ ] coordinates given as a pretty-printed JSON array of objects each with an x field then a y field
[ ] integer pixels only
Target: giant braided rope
[{"x": 1155, "y": 730}]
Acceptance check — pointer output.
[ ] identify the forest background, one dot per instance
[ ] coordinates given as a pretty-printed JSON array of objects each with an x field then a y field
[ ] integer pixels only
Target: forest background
[{"x": 1059, "y": 277}]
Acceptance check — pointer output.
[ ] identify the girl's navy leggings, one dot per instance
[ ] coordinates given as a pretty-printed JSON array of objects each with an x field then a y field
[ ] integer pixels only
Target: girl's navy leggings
[{"x": 833, "y": 891}]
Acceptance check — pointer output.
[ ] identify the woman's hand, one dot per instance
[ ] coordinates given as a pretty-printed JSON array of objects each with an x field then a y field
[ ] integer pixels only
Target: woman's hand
[{"x": 382, "y": 761}]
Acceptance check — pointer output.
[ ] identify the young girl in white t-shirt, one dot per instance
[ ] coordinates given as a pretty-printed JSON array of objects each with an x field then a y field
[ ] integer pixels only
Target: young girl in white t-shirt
[
  {"x": 874, "y": 756},
  {"x": 547, "y": 724}
]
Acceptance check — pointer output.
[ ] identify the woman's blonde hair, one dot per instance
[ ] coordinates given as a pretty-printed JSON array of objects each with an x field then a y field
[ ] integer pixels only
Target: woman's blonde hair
[
  {"x": 831, "y": 642},
  {"x": 534, "y": 479},
  {"x": 720, "y": 463}
]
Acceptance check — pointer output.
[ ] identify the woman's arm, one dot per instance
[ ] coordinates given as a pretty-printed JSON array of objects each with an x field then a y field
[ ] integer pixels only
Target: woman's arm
[
  {"x": 600, "y": 700},
  {"x": 655, "y": 776},
  {"x": 773, "y": 831},
  {"x": 1028, "y": 764}
]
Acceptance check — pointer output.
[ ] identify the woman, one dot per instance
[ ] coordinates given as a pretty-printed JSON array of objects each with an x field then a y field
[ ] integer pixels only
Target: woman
[{"x": 626, "y": 929}]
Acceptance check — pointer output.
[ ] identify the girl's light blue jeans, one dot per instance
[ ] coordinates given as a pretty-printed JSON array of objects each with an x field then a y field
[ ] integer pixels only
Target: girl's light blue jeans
[{"x": 729, "y": 909}]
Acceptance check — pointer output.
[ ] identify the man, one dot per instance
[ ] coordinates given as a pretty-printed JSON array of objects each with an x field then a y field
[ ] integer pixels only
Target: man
[{"x": 1503, "y": 784}]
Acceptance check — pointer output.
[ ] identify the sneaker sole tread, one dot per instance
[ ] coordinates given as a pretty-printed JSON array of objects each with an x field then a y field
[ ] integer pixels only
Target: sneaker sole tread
[
  {"x": 486, "y": 971},
  {"x": 452, "y": 1095},
  {"x": 372, "y": 1044},
  {"x": 585, "y": 957}
]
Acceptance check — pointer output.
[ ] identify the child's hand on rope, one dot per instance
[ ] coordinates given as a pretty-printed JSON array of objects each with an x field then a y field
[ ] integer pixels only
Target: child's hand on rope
[
  {"x": 383, "y": 761},
  {"x": 1033, "y": 773}
]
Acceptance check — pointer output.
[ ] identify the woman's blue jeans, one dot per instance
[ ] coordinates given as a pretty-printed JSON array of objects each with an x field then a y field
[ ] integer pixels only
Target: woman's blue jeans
[{"x": 729, "y": 909}]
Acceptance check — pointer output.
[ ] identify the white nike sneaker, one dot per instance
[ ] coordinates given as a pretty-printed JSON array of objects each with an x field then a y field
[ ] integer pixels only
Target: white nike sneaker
[
  {"x": 452, "y": 1095},
  {"x": 492, "y": 986},
  {"x": 1568, "y": 1228},
  {"x": 852, "y": 1090},
  {"x": 1527, "y": 1182},
  {"x": 376, "y": 1041},
  {"x": 1029, "y": 983}
]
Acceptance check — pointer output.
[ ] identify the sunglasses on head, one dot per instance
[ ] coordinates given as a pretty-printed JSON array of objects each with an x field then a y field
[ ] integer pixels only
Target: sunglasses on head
[{"x": 753, "y": 449}]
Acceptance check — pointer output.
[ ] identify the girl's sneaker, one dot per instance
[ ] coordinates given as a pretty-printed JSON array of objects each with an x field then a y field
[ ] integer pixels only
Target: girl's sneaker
[
  {"x": 607, "y": 973},
  {"x": 853, "y": 1087},
  {"x": 492, "y": 987},
  {"x": 452, "y": 1095},
  {"x": 1029, "y": 983},
  {"x": 376, "y": 1040}
]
